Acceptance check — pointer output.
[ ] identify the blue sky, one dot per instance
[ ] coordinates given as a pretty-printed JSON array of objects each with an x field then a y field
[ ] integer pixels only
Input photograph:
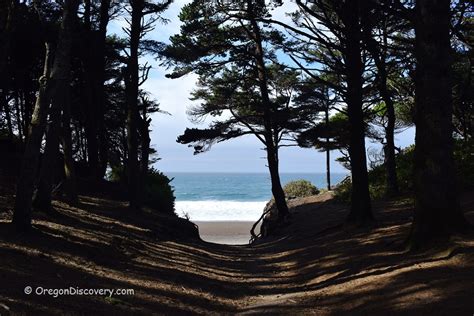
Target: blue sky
[{"x": 240, "y": 155}]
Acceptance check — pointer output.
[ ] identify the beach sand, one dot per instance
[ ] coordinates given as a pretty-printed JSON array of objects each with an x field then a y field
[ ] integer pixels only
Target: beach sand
[{"x": 225, "y": 232}]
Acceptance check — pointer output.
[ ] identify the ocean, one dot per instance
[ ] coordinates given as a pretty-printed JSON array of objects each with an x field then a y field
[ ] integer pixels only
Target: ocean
[{"x": 231, "y": 196}]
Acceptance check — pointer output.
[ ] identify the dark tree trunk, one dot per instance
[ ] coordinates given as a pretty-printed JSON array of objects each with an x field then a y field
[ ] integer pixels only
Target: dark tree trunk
[
  {"x": 69, "y": 170},
  {"x": 6, "y": 108},
  {"x": 91, "y": 134},
  {"x": 277, "y": 190},
  {"x": 91, "y": 106},
  {"x": 378, "y": 53},
  {"x": 145, "y": 153},
  {"x": 389, "y": 149},
  {"x": 94, "y": 75},
  {"x": 43, "y": 196},
  {"x": 102, "y": 137},
  {"x": 26, "y": 181},
  {"x": 328, "y": 154},
  {"x": 5, "y": 39},
  {"x": 18, "y": 117},
  {"x": 48, "y": 83},
  {"x": 131, "y": 90},
  {"x": 360, "y": 211},
  {"x": 390, "y": 162},
  {"x": 145, "y": 140},
  {"x": 437, "y": 210},
  {"x": 271, "y": 141},
  {"x": 26, "y": 119}
]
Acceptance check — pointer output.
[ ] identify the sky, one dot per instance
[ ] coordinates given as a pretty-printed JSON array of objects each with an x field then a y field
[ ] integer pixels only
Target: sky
[{"x": 244, "y": 154}]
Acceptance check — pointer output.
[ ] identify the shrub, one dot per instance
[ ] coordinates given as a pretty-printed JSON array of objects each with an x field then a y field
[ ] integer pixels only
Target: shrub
[
  {"x": 299, "y": 188},
  {"x": 342, "y": 192},
  {"x": 159, "y": 194},
  {"x": 464, "y": 160},
  {"x": 464, "y": 157}
]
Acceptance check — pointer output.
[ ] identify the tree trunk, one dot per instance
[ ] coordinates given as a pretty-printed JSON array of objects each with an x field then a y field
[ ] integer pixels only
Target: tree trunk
[
  {"x": 437, "y": 210},
  {"x": 18, "y": 118},
  {"x": 277, "y": 190},
  {"x": 42, "y": 199},
  {"x": 360, "y": 211},
  {"x": 390, "y": 163},
  {"x": 91, "y": 106},
  {"x": 5, "y": 39},
  {"x": 25, "y": 186},
  {"x": 48, "y": 85},
  {"x": 271, "y": 144},
  {"x": 131, "y": 90},
  {"x": 389, "y": 149},
  {"x": 102, "y": 137},
  {"x": 328, "y": 154},
  {"x": 145, "y": 140},
  {"x": 6, "y": 109},
  {"x": 69, "y": 169}
]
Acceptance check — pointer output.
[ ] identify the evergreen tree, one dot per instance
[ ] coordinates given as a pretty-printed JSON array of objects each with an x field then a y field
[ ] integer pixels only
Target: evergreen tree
[{"x": 235, "y": 57}]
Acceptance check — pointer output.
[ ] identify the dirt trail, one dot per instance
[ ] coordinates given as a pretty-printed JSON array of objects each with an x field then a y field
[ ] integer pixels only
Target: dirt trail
[{"x": 315, "y": 267}]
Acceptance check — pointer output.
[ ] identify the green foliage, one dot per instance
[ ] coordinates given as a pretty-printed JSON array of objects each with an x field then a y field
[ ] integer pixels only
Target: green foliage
[
  {"x": 377, "y": 176},
  {"x": 343, "y": 191},
  {"x": 221, "y": 50},
  {"x": 159, "y": 194},
  {"x": 115, "y": 174},
  {"x": 299, "y": 188},
  {"x": 463, "y": 157}
]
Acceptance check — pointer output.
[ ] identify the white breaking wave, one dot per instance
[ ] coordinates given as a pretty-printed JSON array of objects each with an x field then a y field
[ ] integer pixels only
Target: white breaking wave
[{"x": 220, "y": 210}]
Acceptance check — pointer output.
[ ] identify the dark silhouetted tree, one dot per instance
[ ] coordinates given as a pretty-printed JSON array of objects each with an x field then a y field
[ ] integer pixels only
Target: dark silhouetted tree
[{"x": 437, "y": 210}]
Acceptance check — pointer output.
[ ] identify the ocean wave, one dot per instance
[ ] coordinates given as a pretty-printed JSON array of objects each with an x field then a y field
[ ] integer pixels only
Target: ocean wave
[{"x": 220, "y": 210}]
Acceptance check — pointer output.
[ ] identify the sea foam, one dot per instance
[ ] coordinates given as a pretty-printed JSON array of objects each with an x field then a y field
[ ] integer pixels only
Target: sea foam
[{"x": 220, "y": 210}]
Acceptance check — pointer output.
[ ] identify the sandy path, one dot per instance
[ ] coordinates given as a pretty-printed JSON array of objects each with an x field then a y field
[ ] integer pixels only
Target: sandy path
[{"x": 315, "y": 267}]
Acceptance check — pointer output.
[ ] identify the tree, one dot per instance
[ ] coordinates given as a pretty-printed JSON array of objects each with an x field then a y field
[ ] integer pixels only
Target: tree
[
  {"x": 239, "y": 79},
  {"x": 314, "y": 97},
  {"x": 93, "y": 74},
  {"x": 332, "y": 33},
  {"x": 137, "y": 28},
  {"x": 437, "y": 210},
  {"x": 463, "y": 70},
  {"x": 50, "y": 83},
  {"x": 376, "y": 30}
]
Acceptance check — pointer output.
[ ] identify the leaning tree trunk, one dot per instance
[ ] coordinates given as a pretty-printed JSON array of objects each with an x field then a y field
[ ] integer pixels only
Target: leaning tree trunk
[
  {"x": 48, "y": 82},
  {"x": 360, "y": 211},
  {"x": 43, "y": 196},
  {"x": 437, "y": 210},
  {"x": 277, "y": 190},
  {"x": 26, "y": 181}
]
